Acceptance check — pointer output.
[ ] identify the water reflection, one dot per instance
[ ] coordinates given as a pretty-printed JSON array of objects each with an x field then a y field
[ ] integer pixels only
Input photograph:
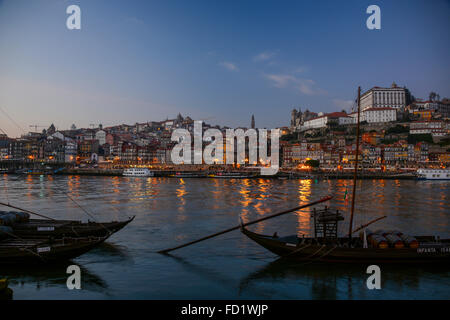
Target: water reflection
[
  {"x": 173, "y": 211},
  {"x": 53, "y": 275},
  {"x": 346, "y": 281}
]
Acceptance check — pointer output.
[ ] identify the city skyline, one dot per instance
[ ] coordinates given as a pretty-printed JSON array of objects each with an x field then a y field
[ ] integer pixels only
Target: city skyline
[{"x": 225, "y": 62}]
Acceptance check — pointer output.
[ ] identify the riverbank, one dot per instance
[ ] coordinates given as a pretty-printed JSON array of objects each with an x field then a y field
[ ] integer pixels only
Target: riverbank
[{"x": 241, "y": 174}]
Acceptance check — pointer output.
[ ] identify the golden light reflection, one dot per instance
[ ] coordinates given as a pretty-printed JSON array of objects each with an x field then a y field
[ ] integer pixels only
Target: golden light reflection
[
  {"x": 245, "y": 199},
  {"x": 217, "y": 192},
  {"x": 303, "y": 216},
  {"x": 181, "y": 192},
  {"x": 263, "y": 189},
  {"x": 116, "y": 183}
]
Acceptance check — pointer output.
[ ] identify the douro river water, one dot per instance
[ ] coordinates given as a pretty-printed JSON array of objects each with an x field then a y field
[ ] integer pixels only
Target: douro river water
[{"x": 171, "y": 211}]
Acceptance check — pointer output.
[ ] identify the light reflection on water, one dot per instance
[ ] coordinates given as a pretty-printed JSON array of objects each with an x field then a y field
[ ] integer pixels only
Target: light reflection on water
[{"x": 170, "y": 211}]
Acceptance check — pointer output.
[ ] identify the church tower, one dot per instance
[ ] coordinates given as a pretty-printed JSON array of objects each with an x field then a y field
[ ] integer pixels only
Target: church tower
[
  {"x": 293, "y": 117},
  {"x": 253, "y": 121}
]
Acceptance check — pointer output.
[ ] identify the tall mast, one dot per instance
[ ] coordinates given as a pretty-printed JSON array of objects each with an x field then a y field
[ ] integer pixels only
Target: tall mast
[{"x": 356, "y": 165}]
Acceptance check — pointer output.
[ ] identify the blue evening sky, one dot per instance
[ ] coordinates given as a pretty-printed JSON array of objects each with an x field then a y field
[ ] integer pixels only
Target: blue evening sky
[{"x": 134, "y": 61}]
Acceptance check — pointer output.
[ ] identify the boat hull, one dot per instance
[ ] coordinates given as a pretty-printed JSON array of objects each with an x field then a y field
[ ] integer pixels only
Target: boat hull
[
  {"x": 36, "y": 251},
  {"x": 439, "y": 253},
  {"x": 57, "y": 229}
]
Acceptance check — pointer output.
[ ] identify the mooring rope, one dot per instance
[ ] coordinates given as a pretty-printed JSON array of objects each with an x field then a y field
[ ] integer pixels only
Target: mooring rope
[
  {"x": 312, "y": 255},
  {"x": 323, "y": 255},
  {"x": 297, "y": 250},
  {"x": 320, "y": 249}
]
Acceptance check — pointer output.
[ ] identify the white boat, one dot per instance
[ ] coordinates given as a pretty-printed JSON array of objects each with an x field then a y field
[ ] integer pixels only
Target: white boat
[
  {"x": 138, "y": 172},
  {"x": 433, "y": 174}
]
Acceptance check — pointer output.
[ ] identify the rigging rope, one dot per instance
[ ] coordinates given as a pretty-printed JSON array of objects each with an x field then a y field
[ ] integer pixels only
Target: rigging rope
[
  {"x": 81, "y": 207},
  {"x": 12, "y": 120},
  {"x": 3, "y": 132}
]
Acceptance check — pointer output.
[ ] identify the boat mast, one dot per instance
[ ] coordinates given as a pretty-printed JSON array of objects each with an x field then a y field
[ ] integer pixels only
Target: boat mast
[{"x": 356, "y": 165}]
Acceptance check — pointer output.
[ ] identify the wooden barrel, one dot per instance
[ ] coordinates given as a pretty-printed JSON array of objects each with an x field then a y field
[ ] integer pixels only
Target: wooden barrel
[
  {"x": 395, "y": 241},
  {"x": 410, "y": 241},
  {"x": 378, "y": 241},
  {"x": 5, "y": 232}
]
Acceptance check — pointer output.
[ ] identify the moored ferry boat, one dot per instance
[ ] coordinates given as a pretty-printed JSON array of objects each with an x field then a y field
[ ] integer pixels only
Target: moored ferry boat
[
  {"x": 433, "y": 174},
  {"x": 188, "y": 175},
  {"x": 231, "y": 175},
  {"x": 138, "y": 172}
]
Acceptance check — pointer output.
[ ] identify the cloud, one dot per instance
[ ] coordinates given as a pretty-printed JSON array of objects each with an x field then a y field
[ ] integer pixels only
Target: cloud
[
  {"x": 264, "y": 56},
  {"x": 343, "y": 104},
  {"x": 280, "y": 80},
  {"x": 300, "y": 70},
  {"x": 308, "y": 87},
  {"x": 304, "y": 86},
  {"x": 229, "y": 65}
]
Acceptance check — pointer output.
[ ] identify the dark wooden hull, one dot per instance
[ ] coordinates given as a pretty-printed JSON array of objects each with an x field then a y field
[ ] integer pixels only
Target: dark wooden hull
[
  {"x": 58, "y": 229},
  {"x": 38, "y": 251},
  {"x": 426, "y": 253}
]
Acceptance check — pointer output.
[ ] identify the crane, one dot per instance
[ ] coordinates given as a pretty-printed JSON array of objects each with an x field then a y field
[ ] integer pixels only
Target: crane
[{"x": 35, "y": 126}]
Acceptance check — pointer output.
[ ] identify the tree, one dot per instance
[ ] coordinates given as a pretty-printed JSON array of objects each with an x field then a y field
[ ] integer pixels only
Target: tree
[
  {"x": 287, "y": 137},
  {"x": 397, "y": 129},
  {"x": 432, "y": 96},
  {"x": 312, "y": 163},
  {"x": 409, "y": 98},
  {"x": 415, "y": 138}
]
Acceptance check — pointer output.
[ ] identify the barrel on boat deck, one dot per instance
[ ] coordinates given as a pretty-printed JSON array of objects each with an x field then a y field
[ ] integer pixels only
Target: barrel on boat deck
[
  {"x": 378, "y": 241},
  {"x": 410, "y": 241},
  {"x": 5, "y": 232},
  {"x": 22, "y": 216},
  {"x": 7, "y": 218},
  {"x": 394, "y": 241}
]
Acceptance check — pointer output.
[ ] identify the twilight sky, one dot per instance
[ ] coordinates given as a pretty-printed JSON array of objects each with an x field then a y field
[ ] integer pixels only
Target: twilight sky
[{"x": 136, "y": 61}]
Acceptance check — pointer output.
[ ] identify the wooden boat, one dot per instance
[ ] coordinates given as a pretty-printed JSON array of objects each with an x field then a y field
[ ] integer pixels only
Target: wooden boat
[
  {"x": 327, "y": 246},
  {"x": 57, "y": 229},
  {"x": 430, "y": 250},
  {"x": 32, "y": 251}
]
